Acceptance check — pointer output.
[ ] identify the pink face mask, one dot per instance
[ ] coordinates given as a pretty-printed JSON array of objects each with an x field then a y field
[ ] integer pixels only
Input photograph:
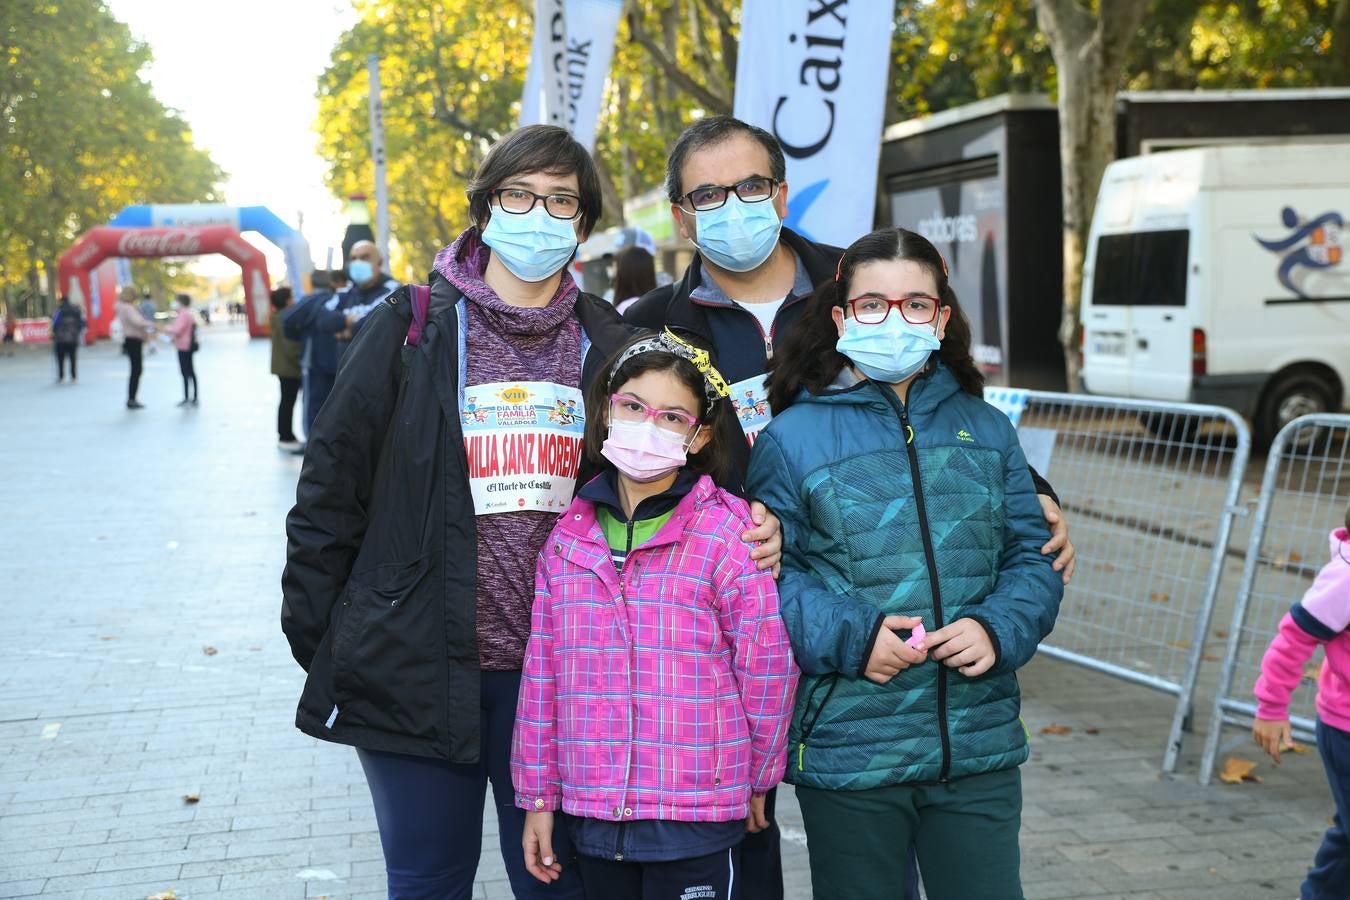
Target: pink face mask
[{"x": 642, "y": 451}]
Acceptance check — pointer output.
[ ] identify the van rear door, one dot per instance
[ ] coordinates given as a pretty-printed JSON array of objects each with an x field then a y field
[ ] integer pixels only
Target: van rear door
[
  {"x": 1137, "y": 333},
  {"x": 1106, "y": 318},
  {"x": 1160, "y": 344}
]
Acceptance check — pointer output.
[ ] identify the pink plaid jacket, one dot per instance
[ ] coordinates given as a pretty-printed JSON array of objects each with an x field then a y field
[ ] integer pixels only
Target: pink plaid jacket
[{"x": 661, "y": 693}]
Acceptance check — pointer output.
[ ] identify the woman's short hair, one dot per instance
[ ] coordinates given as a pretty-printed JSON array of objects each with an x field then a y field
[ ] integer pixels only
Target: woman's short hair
[{"x": 536, "y": 148}]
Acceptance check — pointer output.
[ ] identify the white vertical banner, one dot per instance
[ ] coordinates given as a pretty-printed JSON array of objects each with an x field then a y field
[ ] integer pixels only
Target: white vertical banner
[
  {"x": 545, "y": 98},
  {"x": 376, "y": 104},
  {"x": 813, "y": 73},
  {"x": 592, "y": 26}
]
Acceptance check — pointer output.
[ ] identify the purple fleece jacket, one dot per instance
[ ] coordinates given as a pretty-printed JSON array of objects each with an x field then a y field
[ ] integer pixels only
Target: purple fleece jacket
[{"x": 509, "y": 343}]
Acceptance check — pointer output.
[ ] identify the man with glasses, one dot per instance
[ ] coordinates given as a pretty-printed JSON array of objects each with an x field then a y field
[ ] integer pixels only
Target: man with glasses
[{"x": 743, "y": 290}]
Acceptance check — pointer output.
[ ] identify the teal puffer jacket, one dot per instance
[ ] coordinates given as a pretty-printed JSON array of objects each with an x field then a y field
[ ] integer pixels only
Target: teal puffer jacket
[{"x": 944, "y": 526}]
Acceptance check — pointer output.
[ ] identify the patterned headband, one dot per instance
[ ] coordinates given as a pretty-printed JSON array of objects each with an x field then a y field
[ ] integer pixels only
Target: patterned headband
[{"x": 714, "y": 385}]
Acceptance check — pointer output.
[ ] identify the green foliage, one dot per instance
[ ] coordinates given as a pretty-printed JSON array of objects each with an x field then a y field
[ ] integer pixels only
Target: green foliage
[
  {"x": 452, "y": 72},
  {"x": 951, "y": 52},
  {"x": 84, "y": 135}
]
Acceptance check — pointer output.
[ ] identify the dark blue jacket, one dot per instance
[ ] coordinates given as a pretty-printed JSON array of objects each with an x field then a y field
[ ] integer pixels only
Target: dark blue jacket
[{"x": 301, "y": 323}]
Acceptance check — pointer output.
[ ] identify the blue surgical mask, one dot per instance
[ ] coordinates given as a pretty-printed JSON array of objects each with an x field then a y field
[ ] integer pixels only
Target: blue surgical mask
[
  {"x": 889, "y": 352},
  {"x": 532, "y": 246},
  {"x": 738, "y": 236},
  {"x": 361, "y": 271}
]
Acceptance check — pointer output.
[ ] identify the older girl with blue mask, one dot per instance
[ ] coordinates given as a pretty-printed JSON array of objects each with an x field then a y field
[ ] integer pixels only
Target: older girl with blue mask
[{"x": 913, "y": 584}]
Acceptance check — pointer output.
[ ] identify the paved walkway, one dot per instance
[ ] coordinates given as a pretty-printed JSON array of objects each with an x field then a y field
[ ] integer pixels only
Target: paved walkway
[{"x": 143, "y": 664}]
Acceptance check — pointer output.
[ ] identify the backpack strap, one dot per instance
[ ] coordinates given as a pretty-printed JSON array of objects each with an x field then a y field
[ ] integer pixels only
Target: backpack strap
[{"x": 420, "y": 295}]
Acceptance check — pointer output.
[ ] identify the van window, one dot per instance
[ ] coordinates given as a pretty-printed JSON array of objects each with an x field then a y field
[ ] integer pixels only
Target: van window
[{"x": 1146, "y": 268}]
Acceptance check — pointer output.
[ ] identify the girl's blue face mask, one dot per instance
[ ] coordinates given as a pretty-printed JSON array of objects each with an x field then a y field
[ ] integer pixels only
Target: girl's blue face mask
[
  {"x": 738, "y": 236},
  {"x": 889, "y": 352},
  {"x": 533, "y": 245}
]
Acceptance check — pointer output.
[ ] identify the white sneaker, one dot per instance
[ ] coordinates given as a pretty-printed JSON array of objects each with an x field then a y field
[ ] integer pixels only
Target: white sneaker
[{"x": 289, "y": 445}]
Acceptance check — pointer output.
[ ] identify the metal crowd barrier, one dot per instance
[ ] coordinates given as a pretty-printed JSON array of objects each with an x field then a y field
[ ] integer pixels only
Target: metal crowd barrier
[
  {"x": 1150, "y": 490},
  {"x": 1304, "y": 495}
]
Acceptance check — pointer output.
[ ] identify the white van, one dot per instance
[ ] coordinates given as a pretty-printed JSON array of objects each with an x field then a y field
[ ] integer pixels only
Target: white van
[{"x": 1219, "y": 275}]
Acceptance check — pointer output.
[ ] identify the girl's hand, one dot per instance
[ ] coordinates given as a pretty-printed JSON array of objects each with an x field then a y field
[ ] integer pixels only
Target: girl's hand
[
  {"x": 963, "y": 645},
  {"x": 891, "y": 655},
  {"x": 540, "y": 860},
  {"x": 1272, "y": 735},
  {"x": 768, "y": 534},
  {"x": 756, "y": 821},
  {"x": 1059, "y": 538}
]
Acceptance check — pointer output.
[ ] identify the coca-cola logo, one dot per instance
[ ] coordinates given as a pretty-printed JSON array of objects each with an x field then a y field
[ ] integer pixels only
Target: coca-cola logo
[
  {"x": 168, "y": 243},
  {"x": 85, "y": 254}
]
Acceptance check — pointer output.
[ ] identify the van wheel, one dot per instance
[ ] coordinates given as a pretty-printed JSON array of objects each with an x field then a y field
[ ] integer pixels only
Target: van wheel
[
  {"x": 1287, "y": 398},
  {"x": 1177, "y": 427}
]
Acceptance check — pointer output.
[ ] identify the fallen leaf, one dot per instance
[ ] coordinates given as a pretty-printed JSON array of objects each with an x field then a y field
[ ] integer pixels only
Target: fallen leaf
[
  {"x": 1221, "y": 634},
  {"x": 1160, "y": 597},
  {"x": 1295, "y": 748},
  {"x": 1312, "y": 672},
  {"x": 107, "y": 637},
  {"x": 1107, "y": 567},
  {"x": 1279, "y": 561},
  {"x": 1210, "y": 657},
  {"x": 1236, "y": 771},
  {"x": 210, "y": 651},
  {"x": 1093, "y": 730},
  {"x": 167, "y": 894},
  {"x": 1179, "y": 645},
  {"x": 191, "y": 798},
  {"x": 1295, "y": 557},
  {"x": 1056, "y": 729}
]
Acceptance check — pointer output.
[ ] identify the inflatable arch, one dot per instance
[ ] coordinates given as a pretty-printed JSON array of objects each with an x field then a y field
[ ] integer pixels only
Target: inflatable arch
[
  {"x": 240, "y": 218},
  {"x": 77, "y": 266}
]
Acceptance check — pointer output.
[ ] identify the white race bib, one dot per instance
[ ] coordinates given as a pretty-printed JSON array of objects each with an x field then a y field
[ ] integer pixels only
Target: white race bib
[
  {"x": 750, "y": 401},
  {"x": 524, "y": 443}
]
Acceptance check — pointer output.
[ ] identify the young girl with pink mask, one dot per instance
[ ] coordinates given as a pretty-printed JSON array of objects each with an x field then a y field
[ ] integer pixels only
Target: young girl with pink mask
[{"x": 658, "y": 678}]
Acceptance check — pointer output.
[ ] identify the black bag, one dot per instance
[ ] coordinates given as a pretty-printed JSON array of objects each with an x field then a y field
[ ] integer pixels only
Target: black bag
[{"x": 194, "y": 346}]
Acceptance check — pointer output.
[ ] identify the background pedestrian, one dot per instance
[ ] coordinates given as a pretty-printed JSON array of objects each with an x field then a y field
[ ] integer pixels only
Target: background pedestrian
[{"x": 286, "y": 366}]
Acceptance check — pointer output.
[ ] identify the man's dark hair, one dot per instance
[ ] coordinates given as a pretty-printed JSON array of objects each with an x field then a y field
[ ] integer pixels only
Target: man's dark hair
[
  {"x": 280, "y": 297},
  {"x": 183, "y": 299},
  {"x": 715, "y": 130},
  {"x": 536, "y": 148},
  {"x": 337, "y": 276}
]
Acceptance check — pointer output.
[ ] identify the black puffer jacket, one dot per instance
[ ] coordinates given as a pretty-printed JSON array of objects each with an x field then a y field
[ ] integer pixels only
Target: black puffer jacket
[{"x": 379, "y": 586}]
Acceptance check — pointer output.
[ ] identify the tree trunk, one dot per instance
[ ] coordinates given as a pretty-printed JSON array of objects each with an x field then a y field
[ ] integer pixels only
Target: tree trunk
[
  {"x": 1089, "y": 53},
  {"x": 611, "y": 202}
]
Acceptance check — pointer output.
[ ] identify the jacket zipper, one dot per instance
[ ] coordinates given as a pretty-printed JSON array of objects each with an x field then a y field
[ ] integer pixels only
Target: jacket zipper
[
  {"x": 931, "y": 559},
  {"x": 623, "y": 584},
  {"x": 766, "y": 338}
]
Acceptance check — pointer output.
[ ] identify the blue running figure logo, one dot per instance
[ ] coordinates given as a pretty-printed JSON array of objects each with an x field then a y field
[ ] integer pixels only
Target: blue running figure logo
[{"x": 1312, "y": 245}]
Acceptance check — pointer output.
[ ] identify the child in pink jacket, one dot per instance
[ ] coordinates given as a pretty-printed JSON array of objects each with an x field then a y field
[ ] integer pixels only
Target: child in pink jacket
[
  {"x": 1322, "y": 617},
  {"x": 658, "y": 680}
]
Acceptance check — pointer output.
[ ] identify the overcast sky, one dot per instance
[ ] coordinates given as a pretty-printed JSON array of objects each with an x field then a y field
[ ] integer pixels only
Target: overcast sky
[{"x": 244, "y": 74}]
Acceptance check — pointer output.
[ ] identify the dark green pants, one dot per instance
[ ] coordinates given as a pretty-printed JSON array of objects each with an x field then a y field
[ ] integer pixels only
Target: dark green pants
[{"x": 965, "y": 833}]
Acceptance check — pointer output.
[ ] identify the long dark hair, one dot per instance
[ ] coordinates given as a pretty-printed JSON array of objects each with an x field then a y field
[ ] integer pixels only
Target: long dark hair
[
  {"x": 714, "y": 459},
  {"x": 634, "y": 274},
  {"x": 808, "y": 358}
]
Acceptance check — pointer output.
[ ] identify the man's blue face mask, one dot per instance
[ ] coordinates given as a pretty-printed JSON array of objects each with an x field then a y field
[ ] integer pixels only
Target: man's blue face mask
[{"x": 738, "y": 236}]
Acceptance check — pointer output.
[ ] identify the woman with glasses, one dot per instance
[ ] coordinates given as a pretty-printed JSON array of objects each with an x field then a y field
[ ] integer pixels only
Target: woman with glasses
[
  {"x": 913, "y": 584},
  {"x": 436, "y": 469}
]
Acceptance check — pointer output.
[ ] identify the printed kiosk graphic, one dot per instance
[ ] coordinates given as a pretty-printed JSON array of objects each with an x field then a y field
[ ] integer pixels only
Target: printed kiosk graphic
[{"x": 76, "y": 267}]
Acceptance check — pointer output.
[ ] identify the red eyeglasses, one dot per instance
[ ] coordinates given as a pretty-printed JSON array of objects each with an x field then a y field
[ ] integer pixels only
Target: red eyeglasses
[{"x": 917, "y": 309}]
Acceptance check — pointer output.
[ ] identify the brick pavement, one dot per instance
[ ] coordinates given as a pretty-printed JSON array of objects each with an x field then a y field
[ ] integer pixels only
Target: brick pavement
[{"x": 130, "y": 542}]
